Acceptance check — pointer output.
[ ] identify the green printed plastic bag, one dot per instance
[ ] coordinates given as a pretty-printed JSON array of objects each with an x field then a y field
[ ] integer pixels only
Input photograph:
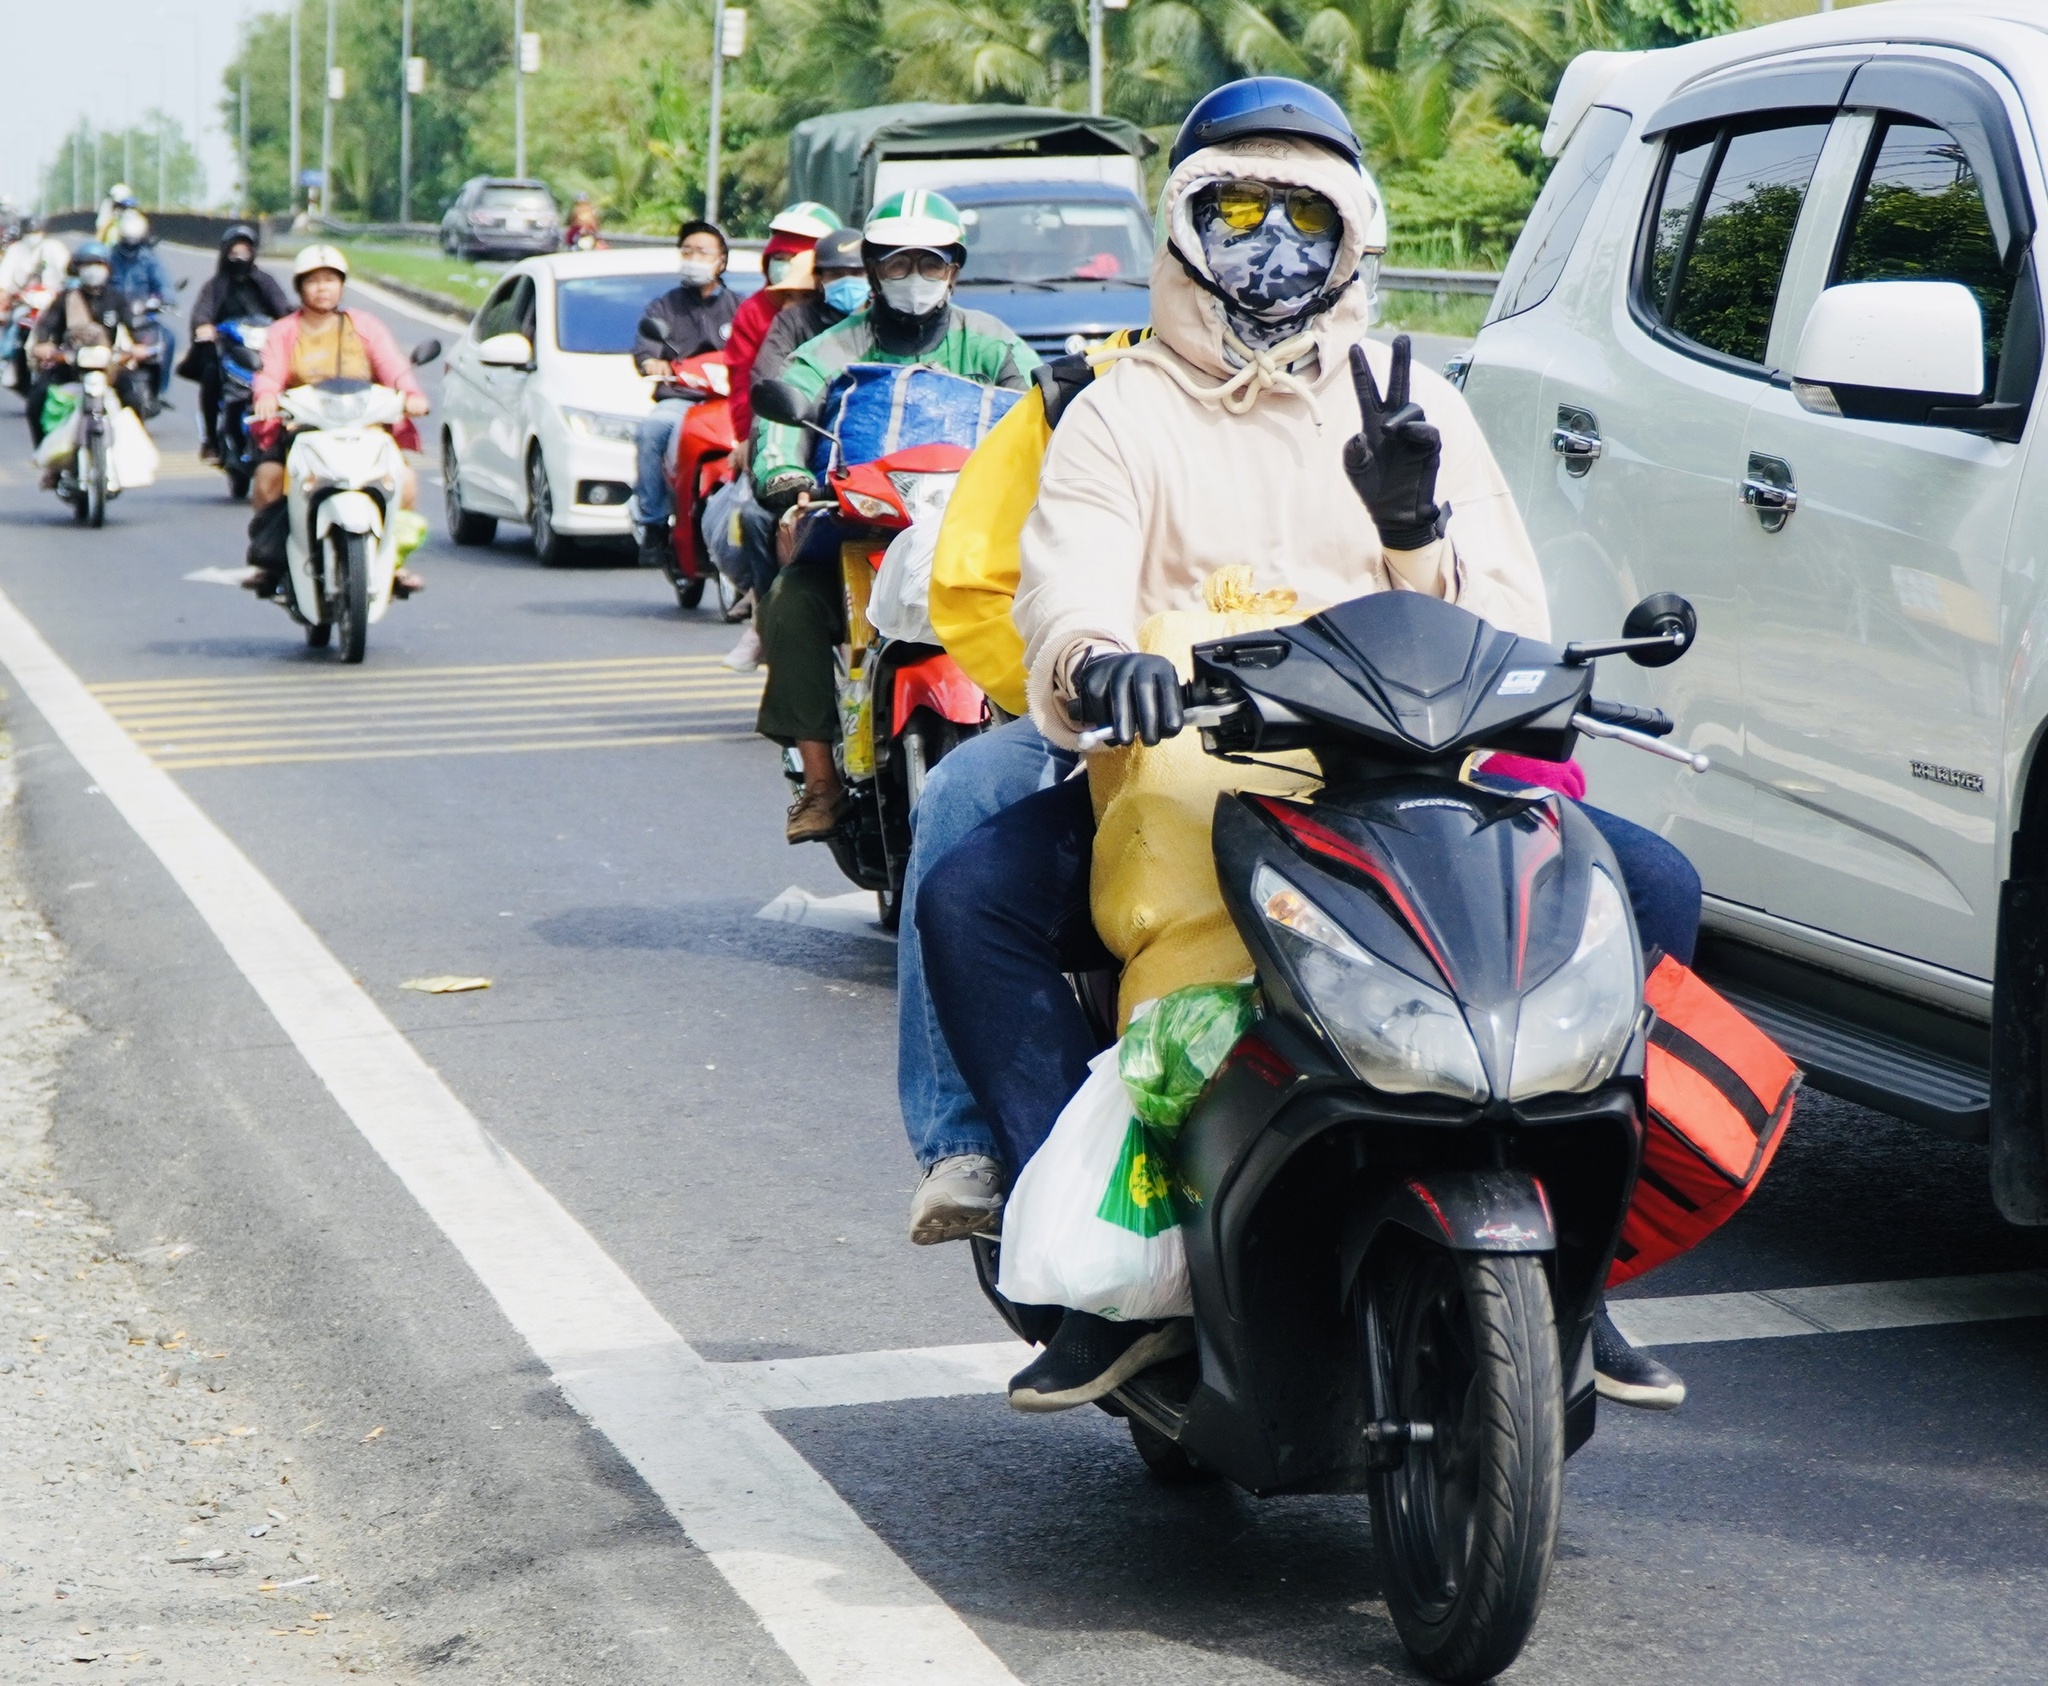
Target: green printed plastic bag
[
  {"x": 1140, "y": 1195},
  {"x": 58, "y": 403},
  {"x": 1168, "y": 1056}
]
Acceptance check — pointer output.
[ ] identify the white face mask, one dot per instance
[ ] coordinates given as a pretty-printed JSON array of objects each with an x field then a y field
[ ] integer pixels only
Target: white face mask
[
  {"x": 697, "y": 272},
  {"x": 92, "y": 276},
  {"x": 915, "y": 296}
]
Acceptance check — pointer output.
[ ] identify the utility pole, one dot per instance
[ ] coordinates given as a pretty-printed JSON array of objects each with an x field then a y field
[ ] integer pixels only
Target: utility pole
[
  {"x": 519, "y": 87},
  {"x": 128, "y": 154},
  {"x": 728, "y": 41},
  {"x": 327, "y": 121},
  {"x": 77, "y": 186},
  {"x": 297, "y": 152},
  {"x": 243, "y": 195},
  {"x": 1097, "y": 56},
  {"x": 163, "y": 163},
  {"x": 405, "y": 85},
  {"x": 99, "y": 147}
]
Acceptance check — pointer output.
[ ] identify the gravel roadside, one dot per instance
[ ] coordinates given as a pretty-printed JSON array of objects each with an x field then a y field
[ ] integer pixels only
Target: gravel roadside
[{"x": 154, "y": 1520}]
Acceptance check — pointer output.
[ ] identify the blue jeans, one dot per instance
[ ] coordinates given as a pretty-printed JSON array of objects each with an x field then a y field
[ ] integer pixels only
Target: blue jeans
[
  {"x": 977, "y": 781},
  {"x": 1008, "y": 917},
  {"x": 657, "y": 432}
]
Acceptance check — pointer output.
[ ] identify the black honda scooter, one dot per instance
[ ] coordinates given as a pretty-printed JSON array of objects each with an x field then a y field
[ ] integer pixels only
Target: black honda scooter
[{"x": 1403, "y": 1189}]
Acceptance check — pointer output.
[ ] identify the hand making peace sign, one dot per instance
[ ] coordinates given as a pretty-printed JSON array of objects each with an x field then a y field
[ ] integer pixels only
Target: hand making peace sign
[{"x": 1392, "y": 460}]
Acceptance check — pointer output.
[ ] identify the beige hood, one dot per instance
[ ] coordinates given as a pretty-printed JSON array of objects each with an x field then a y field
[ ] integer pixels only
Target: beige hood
[{"x": 1189, "y": 320}]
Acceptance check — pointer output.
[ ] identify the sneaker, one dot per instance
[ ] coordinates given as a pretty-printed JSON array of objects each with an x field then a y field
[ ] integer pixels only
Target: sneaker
[
  {"x": 209, "y": 451},
  {"x": 263, "y": 581},
  {"x": 744, "y": 656},
  {"x": 958, "y": 1197},
  {"x": 656, "y": 548},
  {"x": 1630, "y": 1377},
  {"x": 1089, "y": 1356},
  {"x": 815, "y": 815}
]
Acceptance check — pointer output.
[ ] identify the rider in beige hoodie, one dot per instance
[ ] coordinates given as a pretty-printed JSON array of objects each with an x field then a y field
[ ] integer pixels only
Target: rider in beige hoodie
[{"x": 1196, "y": 451}]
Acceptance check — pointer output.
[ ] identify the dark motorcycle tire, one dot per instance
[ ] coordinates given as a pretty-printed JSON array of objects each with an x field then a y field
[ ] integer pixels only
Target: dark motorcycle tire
[
  {"x": 1465, "y": 1527},
  {"x": 238, "y": 485},
  {"x": 92, "y": 481},
  {"x": 352, "y": 601},
  {"x": 729, "y": 595},
  {"x": 689, "y": 593},
  {"x": 1171, "y": 1464}
]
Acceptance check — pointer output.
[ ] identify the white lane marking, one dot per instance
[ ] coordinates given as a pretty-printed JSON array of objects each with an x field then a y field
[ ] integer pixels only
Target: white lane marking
[
  {"x": 853, "y": 914},
  {"x": 947, "y": 1372},
  {"x": 1845, "y": 1308},
  {"x": 218, "y": 576},
  {"x": 873, "y": 1378},
  {"x": 828, "y": 1590}
]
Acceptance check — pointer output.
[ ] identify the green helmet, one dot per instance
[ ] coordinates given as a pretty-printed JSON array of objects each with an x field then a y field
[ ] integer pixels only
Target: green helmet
[
  {"x": 916, "y": 217},
  {"x": 806, "y": 217}
]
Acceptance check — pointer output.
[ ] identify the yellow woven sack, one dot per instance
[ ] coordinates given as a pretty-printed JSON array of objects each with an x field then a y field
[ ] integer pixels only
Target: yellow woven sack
[{"x": 1153, "y": 891}]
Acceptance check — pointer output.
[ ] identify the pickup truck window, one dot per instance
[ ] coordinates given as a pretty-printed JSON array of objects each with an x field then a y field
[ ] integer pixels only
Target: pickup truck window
[
  {"x": 1716, "y": 247},
  {"x": 1560, "y": 213},
  {"x": 1921, "y": 217}
]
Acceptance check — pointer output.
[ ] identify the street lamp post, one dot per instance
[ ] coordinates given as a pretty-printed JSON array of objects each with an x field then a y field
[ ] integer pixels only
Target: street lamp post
[
  {"x": 519, "y": 87},
  {"x": 1096, "y": 54},
  {"x": 728, "y": 41},
  {"x": 298, "y": 159},
  {"x": 405, "y": 65},
  {"x": 332, "y": 89},
  {"x": 245, "y": 135}
]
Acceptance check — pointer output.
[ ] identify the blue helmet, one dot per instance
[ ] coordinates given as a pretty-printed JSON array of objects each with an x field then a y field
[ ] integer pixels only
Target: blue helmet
[
  {"x": 1266, "y": 105},
  {"x": 89, "y": 251}
]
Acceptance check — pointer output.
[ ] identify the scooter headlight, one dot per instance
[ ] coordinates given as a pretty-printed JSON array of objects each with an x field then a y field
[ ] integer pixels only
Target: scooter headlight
[
  {"x": 1575, "y": 1026},
  {"x": 1395, "y": 1032}
]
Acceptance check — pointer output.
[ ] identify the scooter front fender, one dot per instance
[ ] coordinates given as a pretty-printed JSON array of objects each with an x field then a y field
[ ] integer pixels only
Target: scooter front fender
[
  {"x": 352, "y": 512},
  {"x": 1464, "y": 1211}
]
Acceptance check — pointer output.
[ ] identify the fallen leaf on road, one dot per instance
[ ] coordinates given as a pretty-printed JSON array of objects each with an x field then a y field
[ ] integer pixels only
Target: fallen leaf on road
[
  {"x": 213, "y": 1440},
  {"x": 445, "y": 985},
  {"x": 323, "y": 1615},
  {"x": 372, "y": 1435},
  {"x": 239, "y": 1432}
]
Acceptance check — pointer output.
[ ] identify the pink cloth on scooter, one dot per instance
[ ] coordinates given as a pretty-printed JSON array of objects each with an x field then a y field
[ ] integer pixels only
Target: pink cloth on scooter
[{"x": 1567, "y": 778}]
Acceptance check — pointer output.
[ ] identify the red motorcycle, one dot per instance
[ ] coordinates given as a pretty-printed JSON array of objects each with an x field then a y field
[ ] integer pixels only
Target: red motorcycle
[
  {"x": 703, "y": 463},
  {"x": 904, "y": 703}
]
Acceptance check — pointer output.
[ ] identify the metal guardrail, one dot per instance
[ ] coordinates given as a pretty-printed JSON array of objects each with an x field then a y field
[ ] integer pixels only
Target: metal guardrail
[{"x": 1439, "y": 281}]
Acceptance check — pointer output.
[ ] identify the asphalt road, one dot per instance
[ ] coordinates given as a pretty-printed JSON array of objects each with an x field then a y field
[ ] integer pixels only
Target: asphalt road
[{"x": 711, "y": 1096}]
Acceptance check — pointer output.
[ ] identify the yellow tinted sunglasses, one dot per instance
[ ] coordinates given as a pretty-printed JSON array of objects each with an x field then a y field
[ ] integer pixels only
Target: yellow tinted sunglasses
[{"x": 1243, "y": 205}]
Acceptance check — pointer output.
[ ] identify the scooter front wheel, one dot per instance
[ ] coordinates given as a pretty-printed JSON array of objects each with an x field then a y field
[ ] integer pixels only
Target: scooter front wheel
[
  {"x": 92, "y": 481},
  {"x": 1465, "y": 1525},
  {"x": 352, "y": 599}
]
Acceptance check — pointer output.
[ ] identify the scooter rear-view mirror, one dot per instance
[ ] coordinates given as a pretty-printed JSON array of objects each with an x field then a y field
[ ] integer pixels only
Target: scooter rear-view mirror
[
  {"x": 778, "y": 401},
  {"x": 425, "y": 352},
  {"x": 1659, "y": 630}
]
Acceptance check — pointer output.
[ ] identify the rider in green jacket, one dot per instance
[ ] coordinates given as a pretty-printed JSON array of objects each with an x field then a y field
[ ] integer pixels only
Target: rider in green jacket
[{"x": 912, "y": 247}]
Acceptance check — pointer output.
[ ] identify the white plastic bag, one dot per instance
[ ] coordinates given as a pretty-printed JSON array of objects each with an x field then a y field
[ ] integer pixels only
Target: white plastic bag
[
  {"x": 900, "y": 604},
  {"x": 131, "y": 455},
  {"x": 1058, "y": 1248},
  {"x": 60, "y": 444}
]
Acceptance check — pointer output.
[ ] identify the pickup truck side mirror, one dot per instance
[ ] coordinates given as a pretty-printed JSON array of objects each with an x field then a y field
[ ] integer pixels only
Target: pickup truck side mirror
[
  {"x": 425, "y": 352},
  {"x": 778, "y": 401},
  {"x": 1896, "y": 351},
  {"x": 506, "y": 351}
]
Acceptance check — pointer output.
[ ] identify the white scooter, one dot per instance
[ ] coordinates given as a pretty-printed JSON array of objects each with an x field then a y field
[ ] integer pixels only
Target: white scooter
[{"x": 343, "y": 477}]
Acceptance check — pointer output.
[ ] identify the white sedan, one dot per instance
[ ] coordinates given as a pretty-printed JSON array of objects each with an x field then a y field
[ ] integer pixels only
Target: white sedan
[{"x": 541, "y": 400}]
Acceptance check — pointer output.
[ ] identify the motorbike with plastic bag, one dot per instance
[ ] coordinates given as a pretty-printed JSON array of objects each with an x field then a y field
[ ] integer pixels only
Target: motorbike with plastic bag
[
  {"x": 15, "y": 330},
  {"x": 239, "y": 347},
  {"x": 904, "y": 704},
  {"x": 97, "y": 444},
  {"x": 1398, "y": 1195}
]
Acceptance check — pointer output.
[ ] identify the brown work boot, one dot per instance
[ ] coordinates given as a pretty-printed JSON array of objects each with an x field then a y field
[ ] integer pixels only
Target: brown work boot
[{"x": 815, "y": 815}]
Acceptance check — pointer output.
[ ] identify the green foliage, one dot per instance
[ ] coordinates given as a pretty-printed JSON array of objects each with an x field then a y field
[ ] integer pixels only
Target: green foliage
[
  {"x": 1448, "y": 95},
  {"x": 131, "y": 152}
]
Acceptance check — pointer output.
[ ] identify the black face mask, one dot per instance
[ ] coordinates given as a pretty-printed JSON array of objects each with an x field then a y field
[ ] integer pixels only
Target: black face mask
[{"x": 240, "y": 268}]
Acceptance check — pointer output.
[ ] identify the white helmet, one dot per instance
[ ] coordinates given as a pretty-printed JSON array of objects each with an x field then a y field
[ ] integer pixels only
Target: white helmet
[
  {"x": 132, "y": 228},
  {"x": 319, "y": 257}
]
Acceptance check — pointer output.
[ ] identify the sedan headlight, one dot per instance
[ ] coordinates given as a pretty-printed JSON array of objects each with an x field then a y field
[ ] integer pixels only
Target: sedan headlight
[
  {"x": 1575, "y": 1026},
  {"x": 1396, "y": 1033},
  {"x": 597, "y": 424}
]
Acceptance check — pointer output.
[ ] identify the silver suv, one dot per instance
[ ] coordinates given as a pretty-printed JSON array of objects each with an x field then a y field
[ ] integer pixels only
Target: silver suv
[
  {"x": 1772, "y": 339},
  {"x": 501, "y": 217}
]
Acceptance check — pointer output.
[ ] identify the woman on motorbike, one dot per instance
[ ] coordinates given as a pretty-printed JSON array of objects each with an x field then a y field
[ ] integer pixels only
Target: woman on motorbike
[
  {"x": 1224, "y": 439},
  {"x": 236, "y": 291},
  {"x": 912, "y": 247},
  {"x": 319, "y": 341}
]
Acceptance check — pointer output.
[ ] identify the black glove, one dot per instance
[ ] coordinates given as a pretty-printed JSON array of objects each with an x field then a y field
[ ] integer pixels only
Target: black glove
[
  {"x": 1392, "y": 460},
  {"x": 1135, "y": 696}
]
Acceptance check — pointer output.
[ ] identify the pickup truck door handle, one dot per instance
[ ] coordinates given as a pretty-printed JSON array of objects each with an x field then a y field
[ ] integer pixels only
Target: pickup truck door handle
[
  {"x": 1768, "y": 490},
  {"x": 1576, "y": 438}
]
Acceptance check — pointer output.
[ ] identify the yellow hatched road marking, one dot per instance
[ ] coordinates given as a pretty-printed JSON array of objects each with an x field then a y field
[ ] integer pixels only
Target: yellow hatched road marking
[{"x": 493, "y": 709}]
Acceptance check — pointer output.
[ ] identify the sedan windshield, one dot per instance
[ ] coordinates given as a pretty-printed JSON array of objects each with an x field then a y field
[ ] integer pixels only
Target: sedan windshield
[
  {"x": 600, "y": 313},
  {"x": 1056, "y": 240}
]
